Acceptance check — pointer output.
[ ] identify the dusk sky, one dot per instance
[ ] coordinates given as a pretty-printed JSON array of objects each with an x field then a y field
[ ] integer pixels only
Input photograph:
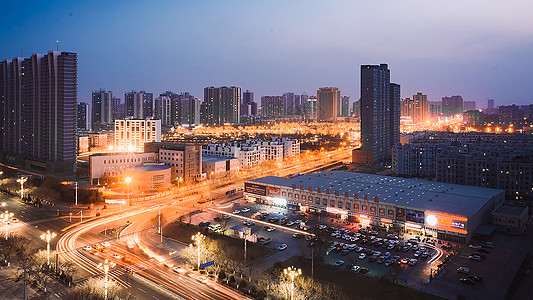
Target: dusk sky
[{"x": 478, "y": 49}]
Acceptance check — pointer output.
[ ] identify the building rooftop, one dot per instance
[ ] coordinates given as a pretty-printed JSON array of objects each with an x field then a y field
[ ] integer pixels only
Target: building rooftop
[
  {"x": 209, "y": 158},
  {"x": 412, "y": 193},
  {"x": 148, "y": 168},
  {"x": 509, "y": 209}
]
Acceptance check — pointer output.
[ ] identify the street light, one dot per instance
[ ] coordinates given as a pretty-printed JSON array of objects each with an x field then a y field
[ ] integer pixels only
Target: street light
[
  {"x": 105, "y": 267},
  {"x": 128, "y": 180},
  {"x": 47, "y": 237},
  {"x": 180, "y": 179},
  {"x": 5, "y": 218},
  {"x": 22, "y": 180},
  {"x": 198, "y": 238},
  {"x": 292, "y": 272}
]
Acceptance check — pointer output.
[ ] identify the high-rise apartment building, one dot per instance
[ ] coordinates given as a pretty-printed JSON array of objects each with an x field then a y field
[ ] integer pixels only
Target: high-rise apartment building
[
  {"x": 83, "y": 116},
  {"x": 222, "y": 105},
  {"x": 139, "y": 105},
  {"x": 345, "y": 106},
  {"x": 380, "y": 113},
  {"x": 272, "y": 106},
  {"x": 102, "y": 110},
  {"x": 312, "y": 114},
  {"x": 117, "y": 108},
  {"x": 328, "y": 104},
  {"x": 148, "y": 104},
  {"x": 38, "y": 103},
  {"x": 190, "y": 111},
  {"x": 452, "y": 105},
  {"x": 469, "y": 105},
  {"x": 132, "y": 134},
  {"x": 490, "y": 104},
  {"x": 289, "y": 103},
  {"x": 356, "y": 108},
  {"x": 416, "y": 108},
  {"x": 246, "y": 104},
  {"x": 163, "y": 109}
]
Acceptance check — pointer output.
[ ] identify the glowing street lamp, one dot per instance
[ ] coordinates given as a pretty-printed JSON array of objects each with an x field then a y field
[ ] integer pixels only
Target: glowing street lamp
[
  {"x": 47, "y": 237},
  {"x": 198, "y": 238},
  {"x": 105, "y": 267},
  {"x": 22, "y": 180},
  {"x": 6, "y": 216},
  {"x": 292, "y": 272},
  {"x": 180, "y": 179}
]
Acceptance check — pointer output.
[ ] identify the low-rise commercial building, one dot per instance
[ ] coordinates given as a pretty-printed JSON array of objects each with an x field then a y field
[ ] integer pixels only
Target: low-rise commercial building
[
  {"x": 214, "y": 166},
  {"x": 184, "y": 160},
  {"x": 446, "y": 211},
  {"x": 511, "y": 218},
  {"x": 148, "y": 177},
  {"x": 112, "y": 165}
]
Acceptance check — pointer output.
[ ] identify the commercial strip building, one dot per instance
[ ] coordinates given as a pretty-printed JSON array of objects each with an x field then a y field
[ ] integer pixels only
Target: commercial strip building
[
  {"x": 445, "y": 211},
  {"x": 502, "y": 161},
  {"x": 214, "y": 166},
  {"x": 132, "y": 134},
  {"x": 112, "y": 165}
]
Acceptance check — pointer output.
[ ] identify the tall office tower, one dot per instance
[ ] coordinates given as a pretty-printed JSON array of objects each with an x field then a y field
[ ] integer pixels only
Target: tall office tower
[
  {"x": 272, "y": 106},
  {"x": 247, "y": 100},
  {"x": 132, "y": 134},
  {"x": 356, "y": 108},
  {"x": 102, "y": 114},
  {"x": 469, "y": 105},
  {"x": 134, "y": 104},
  {"x": 312, "y": 107},
  {"x": 395, "y": 112},
  {"x": 452, "y": 105},
  {"x": 190, "y": 111},
  {"x": 116, "y": 108},
  {"x": 163, "y": 110},
  {"x": 288, "y": 102},
  {"x": 328, "y": 104},
  {"x": 420, "y": 108},
  {"x": 222, "y": 105},
  {"x": 38, "y": 97},
  {"x": 490, "y": 104},
  {"x": 380, "y": 112},
  {"x": 83, "y": 116},
  {"x": 148, "y": 104},
  {"x": 345, "y": 106}
]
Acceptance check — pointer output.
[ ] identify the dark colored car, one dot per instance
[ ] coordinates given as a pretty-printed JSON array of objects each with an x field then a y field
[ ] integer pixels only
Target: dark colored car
[
  {"x": 363, "y": 271},
  {"x": 475, "y": 278},
  {"x": 483, "y": 250},
  {"x": 467, "y": 281}
]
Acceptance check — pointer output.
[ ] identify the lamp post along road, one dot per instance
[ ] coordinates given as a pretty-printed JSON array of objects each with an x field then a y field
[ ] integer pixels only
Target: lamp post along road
[
  {"x": 198, "y": 238},
  {"x": 47, "y": 237},
  {"x": 22, "y": 180},
  {"x": 76, "y": 185},
  {"x": 5, "y": 218},
  {"x": 292, "y": 272},
  {"x": 105, "y": 267}
]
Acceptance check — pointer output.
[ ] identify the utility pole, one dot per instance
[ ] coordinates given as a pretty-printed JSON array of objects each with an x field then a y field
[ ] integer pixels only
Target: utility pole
[
  {"x": 244, "y": 247},
  {"x": 25, "y": 296},
  {"x": 312, "y": 262},
  {"x": 159, "y": 217}
]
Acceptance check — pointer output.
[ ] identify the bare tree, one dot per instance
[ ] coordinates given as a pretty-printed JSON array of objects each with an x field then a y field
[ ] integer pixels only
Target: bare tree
[{"x": 93, "y": 289}]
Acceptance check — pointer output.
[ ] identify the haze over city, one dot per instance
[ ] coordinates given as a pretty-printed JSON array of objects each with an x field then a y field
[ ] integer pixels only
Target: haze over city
[{"x": 478, "y": 49}]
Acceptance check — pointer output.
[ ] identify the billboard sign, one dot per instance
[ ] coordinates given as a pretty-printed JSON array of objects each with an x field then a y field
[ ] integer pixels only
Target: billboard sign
[
  {"x": 273, "y": 191},
  {"x": 254, "y": 188},
  {"x": 400, "y": 214},
  {"x": 415, "y": 216}
]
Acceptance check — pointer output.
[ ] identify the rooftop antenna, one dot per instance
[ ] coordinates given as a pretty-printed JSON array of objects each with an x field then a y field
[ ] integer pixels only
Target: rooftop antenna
[{"x": 57, "y": 45}]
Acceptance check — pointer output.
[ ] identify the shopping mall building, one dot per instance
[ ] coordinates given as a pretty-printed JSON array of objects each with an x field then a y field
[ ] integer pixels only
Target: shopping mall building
[{"x": 443, "y": 210}]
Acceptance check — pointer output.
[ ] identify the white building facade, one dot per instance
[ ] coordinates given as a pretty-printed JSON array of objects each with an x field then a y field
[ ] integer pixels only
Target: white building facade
[
  {"x": 112, "y": 165},
  {"x": 132, "y": 134}
]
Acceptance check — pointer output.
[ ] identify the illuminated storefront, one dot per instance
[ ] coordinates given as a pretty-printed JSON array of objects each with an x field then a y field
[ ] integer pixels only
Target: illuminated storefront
[{"x": 409, "y": 205}]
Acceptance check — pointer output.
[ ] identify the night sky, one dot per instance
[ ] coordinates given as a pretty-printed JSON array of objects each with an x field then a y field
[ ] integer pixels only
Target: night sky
[{"x": 478, "y": 49}]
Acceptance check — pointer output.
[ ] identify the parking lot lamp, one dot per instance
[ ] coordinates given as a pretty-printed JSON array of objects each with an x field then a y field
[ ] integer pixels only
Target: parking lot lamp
[
  {"x": 292, "y": 272},
  {"x": 47, "y": 237}
]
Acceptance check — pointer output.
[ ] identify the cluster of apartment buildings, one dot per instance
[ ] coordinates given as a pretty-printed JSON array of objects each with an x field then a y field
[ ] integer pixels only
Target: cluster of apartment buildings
[{"x": 502, "y": 161}]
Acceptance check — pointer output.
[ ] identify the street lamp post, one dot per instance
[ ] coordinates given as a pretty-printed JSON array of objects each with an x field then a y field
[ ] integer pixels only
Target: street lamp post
[
  {"x": 22, "y": 180},
  {"x": 198, "y": 238},
  {"x": 292, "y": 272},
  {"x": 105, "y": 267},
  {"x": 47, "y": 237},
  {"x": 5, "y": 218},
  {"x": 128, "y": 180},
  {"x": 76, "y": 185}
]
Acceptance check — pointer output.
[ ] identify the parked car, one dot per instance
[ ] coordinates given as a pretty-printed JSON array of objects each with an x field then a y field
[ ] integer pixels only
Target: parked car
[
  {"x": 363, "y": 271},
  {"x": 475, "y": 278},
  {"x": 356, "y": 268},
  {"x": 270, "y": 229},
  {"x": 474, "y": 257},
  {"x": 282, "y": 247},
  {"x": 474, "y": 246},
  {"x": 245, "y": 209},
  {"x": 339, "y": 262},
  {"x": 297, "y": 235},
  {"x": 236, "y": 211},
  {"x": 467, "y": 281},
  {"x": 362, "y": 256},
  {"x": 463, "y": 270}
]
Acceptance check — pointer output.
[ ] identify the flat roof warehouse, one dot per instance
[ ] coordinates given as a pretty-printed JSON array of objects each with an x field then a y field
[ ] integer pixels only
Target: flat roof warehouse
[{"x": 414, "y": 193}]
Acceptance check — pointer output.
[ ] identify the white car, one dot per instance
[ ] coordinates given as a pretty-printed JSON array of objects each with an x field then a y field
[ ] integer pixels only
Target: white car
[
  {"x": 87, "y": 248},
  {"x": 202, "y": 279},
  {"x": 356, "y": 268},
  {"x": 169, "y": 264},
  {"x": 117, "y": 256},
  {"x": 178, "y": 270},
  {"x": 227, "y": 217},
  {"x": 269, "y": 229},
  {"x": 282, "y": 247},
  {"x": 362, "y": 256},
  {"x": 106, "y": 244},
  {"x": 131, "y": 245},
  {"x": 245, "y": 209},
  {"x": 236, "y": 211}
]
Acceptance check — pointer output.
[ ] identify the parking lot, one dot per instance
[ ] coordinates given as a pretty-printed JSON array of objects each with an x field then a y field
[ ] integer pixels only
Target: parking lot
[{"x": 383, "y": 254}]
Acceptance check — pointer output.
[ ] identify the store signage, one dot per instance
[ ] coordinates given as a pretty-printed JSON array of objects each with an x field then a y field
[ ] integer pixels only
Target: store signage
[
  {"x": 253, "y": 188},
  {"x": 459, "y": 225},
  {"x": 415, "y": 216},
  {"x": 400, "y": 214},
  {"x": 273, "y": 191}
]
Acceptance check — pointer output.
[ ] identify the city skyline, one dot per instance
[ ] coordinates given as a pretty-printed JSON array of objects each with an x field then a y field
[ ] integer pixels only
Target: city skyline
[{"x": 463, "y": 49}]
